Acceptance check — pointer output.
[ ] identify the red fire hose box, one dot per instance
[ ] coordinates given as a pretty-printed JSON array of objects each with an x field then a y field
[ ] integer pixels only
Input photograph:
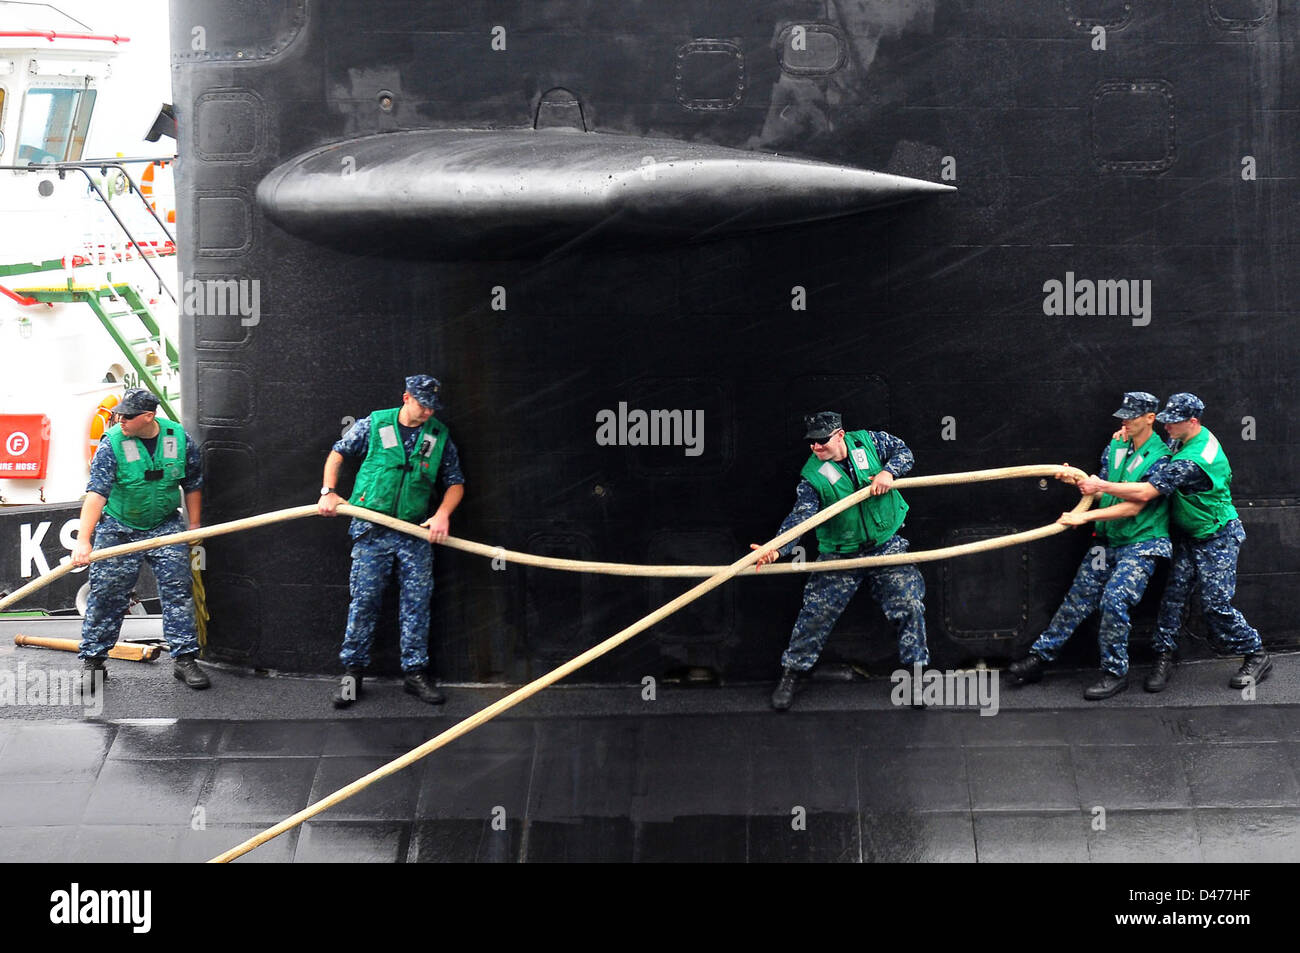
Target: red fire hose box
[{"x": 24, "y": 446}]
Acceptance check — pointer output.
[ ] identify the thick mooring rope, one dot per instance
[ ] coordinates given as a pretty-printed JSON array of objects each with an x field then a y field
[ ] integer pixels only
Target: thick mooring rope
[
  {"x": 535, "y": 686},
  {"x": 606, "y": 568}
]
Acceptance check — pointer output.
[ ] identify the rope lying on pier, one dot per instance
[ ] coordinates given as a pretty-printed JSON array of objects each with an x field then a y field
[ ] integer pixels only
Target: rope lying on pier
[
  {"x": 608, "y": 568},
  {"x": 715, "y": 580}
]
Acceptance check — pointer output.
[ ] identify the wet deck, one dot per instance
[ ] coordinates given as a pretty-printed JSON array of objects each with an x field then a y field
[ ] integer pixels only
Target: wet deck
[{"x": 599, "y": 773}]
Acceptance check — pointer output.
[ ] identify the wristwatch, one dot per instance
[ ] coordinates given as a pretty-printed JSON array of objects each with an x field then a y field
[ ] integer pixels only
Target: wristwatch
[{"x": 326, "y": 490}]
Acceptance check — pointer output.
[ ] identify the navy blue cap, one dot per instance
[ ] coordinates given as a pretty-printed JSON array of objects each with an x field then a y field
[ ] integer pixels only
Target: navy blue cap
[
  {"x": 821, "y": 425},
  {"x": 1181, "y": 407},
  {"x": 424, "y": 389},
  {"x": 1136, "y": 403},
  {"x": 136, "y": 400}
]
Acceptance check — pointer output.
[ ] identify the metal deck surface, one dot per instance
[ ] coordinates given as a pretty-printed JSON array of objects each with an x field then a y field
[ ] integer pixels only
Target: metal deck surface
[{"x": 584, "y": 773}]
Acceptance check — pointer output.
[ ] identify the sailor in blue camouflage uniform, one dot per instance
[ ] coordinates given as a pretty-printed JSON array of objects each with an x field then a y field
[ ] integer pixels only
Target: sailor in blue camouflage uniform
[
  {"x": 842, "y": 463},
  {"x": 406, "y": 453},
  {"x": 137, "y": 476},
  {"x": 1207, "y": 539},
  {"x": 1132, "y": 536}
]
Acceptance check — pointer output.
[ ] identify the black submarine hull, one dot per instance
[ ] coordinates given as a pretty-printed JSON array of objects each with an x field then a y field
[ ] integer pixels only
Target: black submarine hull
[{"x": 1164, "y": 161}]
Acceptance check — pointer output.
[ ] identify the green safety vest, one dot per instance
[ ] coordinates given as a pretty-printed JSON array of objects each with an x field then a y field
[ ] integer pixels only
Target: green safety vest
[
  {"x": 144, "y": 491},
  {"x": 1129, "y": 465},
  {"x": 388, "y": 482},
  {"x": 1201, "y": 514},
  {"x": 875, "y": 520}
]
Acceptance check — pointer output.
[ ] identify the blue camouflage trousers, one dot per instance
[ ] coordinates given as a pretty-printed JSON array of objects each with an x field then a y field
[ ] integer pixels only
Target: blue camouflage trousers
[
  {"x": 111, "y": 581},
  {"x": 1211, "y": 567},
  {"x": 1116, "y": 587},
  {"x": 899, "y": 590},
  {"x": 373, "y": 556}
]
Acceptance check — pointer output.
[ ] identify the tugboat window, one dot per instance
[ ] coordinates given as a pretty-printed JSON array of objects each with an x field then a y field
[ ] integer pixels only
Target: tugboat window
[{"x": 54, "y": 124}]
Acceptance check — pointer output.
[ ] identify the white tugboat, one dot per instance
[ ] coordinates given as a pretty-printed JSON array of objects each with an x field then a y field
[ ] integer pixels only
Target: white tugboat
[{"x": 88, "y": 282}]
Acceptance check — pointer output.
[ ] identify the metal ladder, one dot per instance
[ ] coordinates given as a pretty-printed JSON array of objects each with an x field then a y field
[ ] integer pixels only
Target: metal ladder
[{"x": 134, "y": 347}]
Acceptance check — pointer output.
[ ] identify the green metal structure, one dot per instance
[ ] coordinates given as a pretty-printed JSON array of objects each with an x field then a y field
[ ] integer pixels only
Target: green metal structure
[{"x": 118, "y": 323}]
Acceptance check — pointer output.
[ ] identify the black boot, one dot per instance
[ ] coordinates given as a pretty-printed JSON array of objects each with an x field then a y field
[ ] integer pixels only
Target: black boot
[
  {"x": 1026, "y": 670},
  {"x": 1254, "y": 669},
  {"x": 93, "y": 671},
  {"x": 349, "y": 689},
  {"x": 1109, "y": 684},
  {"x": 1160, "y": 675},
  {"x": 417, "y": 683},
  {"x": 783, "y": 697},
  {"x": 187, "y": 670}
]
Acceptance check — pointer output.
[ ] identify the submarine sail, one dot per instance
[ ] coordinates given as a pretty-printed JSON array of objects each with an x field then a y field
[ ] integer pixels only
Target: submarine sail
[{"x": 405, "y": 192}]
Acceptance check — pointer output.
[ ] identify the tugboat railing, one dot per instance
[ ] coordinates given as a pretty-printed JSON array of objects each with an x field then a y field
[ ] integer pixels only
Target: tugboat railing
[{"x": 103, "y": 165}]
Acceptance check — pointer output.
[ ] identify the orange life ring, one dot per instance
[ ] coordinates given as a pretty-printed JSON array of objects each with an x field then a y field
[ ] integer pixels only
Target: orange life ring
[
  {"x": 99, "y": 424},
  {"x": 146, "y": 189},
  {"x": 146, "y": 186}
]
